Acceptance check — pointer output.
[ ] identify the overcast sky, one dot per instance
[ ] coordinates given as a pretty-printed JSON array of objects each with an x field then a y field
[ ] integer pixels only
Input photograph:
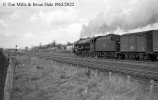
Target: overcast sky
[{"x": 28, "y": 26}]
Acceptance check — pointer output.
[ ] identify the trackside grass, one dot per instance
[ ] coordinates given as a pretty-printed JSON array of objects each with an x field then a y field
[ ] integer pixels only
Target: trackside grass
[{"x": 39, "y": 79}]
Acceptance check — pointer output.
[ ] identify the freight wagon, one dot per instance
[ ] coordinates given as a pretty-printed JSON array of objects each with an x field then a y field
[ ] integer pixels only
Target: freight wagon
[{"x": 141, "y": 45}]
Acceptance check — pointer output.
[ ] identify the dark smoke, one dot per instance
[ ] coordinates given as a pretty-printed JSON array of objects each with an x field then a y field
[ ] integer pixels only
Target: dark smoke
[{"x": 134, "y": 14}]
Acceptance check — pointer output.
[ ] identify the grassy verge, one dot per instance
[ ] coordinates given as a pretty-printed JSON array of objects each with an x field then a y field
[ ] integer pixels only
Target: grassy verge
[{"x": 38, "y": 79}]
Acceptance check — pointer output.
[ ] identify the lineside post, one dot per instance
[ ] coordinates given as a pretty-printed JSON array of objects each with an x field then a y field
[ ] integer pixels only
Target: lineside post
[
  {"x": 88, "y": 72},
  {"x": 152, "y": 86},
  {"x": 110, "y": 75},
  {"x": 96, "y": 73},
  {"x": 128, "y": 79}
]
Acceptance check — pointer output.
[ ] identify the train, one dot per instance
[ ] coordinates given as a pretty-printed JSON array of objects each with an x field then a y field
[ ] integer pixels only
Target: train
[{"x": 139, "y": 45}]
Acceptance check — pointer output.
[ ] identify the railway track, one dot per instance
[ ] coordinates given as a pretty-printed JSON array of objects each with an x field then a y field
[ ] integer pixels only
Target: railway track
[
  {"x": 137, "y": 69},
  {"x": 107, "y": 59}
]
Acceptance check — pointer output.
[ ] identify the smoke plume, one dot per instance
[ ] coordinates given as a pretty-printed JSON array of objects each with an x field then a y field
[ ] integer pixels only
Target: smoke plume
[{"x": 125, "y": 16}]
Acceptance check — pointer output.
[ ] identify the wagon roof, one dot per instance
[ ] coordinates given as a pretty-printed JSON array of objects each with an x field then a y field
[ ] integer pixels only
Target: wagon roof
[{"x": 138, "y": 33}]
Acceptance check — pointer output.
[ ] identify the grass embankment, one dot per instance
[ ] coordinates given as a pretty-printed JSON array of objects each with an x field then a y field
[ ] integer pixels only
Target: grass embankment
[{"x": 38, "y": 79}]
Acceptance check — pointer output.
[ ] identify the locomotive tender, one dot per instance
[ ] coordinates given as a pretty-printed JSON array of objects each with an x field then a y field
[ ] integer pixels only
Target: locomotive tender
[{"x": 139, "y": 45}]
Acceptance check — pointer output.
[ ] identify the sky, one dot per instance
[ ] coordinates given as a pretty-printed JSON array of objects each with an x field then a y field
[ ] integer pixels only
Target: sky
[{"x": 32, "y": 25}]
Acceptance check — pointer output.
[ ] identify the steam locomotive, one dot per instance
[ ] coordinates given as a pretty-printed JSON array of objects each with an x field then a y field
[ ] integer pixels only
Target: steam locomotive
[{"x": 139, "y": 46}]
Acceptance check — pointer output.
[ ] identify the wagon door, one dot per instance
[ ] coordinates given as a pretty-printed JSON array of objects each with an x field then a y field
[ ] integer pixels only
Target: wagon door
[
  {"x": 141, "y": 43},
  {"x": 155, "y": 41},
  {"x": 124, "y": 43},
  {"x": 132, "y": 43},
  {"x": 149, "y": 42}
]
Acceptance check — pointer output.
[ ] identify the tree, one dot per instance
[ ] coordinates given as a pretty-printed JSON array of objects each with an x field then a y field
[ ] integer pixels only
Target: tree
[
  {"x": 54, "y": 43},
  {"x": 26, "y": 48},
  {"x": 69, "y": 43}
]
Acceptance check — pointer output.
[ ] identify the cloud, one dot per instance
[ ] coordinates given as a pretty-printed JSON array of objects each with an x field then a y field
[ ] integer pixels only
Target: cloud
[
  {"x": 5, "y": 12},
  {"x": 3, "y": 23},
  {"x": 123, "y": 15},
  {"x": 8, "y": 34},
  {"x": 29, "y": 36},
  {"x": 57, "y": 17},
  {"x": 65, "y": 34},
  {"x": 34, "y": 18}
]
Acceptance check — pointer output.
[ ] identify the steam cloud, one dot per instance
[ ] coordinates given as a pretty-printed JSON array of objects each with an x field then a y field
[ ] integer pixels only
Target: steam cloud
[{"x": 127, "y": 15}]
